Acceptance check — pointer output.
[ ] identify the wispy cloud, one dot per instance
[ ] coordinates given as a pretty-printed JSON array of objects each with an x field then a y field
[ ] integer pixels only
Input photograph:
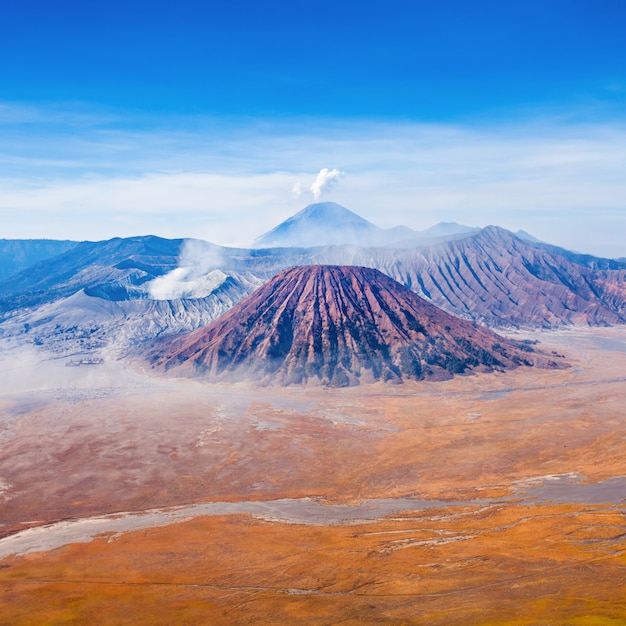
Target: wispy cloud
[{"x": 92, "y": 177}]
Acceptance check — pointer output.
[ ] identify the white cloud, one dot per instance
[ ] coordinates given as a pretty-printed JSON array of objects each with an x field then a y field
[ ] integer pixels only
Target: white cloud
[{"x": 550, "y": 178}]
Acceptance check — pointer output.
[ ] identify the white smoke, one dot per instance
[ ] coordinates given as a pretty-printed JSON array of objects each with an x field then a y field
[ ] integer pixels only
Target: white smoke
[
  {"x": 324, "y": 181},
  {"x": 196, "y": 276},
  {"x": 297, "y": 190}
]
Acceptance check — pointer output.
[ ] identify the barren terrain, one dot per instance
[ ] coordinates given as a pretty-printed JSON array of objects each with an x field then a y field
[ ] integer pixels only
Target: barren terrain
[{"x": 491, "y": 498}]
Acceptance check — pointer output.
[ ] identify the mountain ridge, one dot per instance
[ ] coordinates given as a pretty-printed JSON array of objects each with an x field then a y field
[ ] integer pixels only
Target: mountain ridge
[
  {"x": 134, "y": 259},
  {"x": 490, "y": 276},
  {"x": 18, "y": 254}
]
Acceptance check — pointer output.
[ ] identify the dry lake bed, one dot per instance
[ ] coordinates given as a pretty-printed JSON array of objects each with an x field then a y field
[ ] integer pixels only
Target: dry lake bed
[{"x": 488, "y": 499}]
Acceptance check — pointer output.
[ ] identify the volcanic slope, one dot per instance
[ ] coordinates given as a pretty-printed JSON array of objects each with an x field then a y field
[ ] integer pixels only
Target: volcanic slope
[
  {"x": 121, "y": 265},
  {"x": 496, "y": 278},
  {"x": 490, "y": 276},
  {"x": 337, "y": 326}
]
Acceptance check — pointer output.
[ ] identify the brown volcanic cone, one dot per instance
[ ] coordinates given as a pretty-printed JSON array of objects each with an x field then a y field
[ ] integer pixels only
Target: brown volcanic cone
[{"x": 337, "y": 326}]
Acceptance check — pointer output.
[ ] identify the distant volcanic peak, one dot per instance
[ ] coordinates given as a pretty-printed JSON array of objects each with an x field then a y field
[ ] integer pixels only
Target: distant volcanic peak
[
  {"x": 338, "y": 326},
  {"x": 330, "y": 210},
  {"x": 320, "y": 224}
]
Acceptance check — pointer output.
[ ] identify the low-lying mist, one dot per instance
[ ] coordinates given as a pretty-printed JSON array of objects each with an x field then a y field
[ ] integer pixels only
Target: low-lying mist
[{"x": 28, "y": 370}]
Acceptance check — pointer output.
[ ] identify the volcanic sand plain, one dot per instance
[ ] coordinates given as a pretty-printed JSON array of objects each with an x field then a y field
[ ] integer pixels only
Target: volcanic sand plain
[{"x": 520, "y": 474}]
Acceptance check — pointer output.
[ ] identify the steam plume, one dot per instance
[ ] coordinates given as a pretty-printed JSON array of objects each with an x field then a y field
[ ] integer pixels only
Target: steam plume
[
  {"x": 196, "y": 276},
  {"x": 324, "y": 180}
]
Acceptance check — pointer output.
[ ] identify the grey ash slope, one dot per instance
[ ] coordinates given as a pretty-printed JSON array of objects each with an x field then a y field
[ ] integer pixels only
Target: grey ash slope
[
  {"x": 97, "y": 295},
  {"x": 338, "y": 326}
]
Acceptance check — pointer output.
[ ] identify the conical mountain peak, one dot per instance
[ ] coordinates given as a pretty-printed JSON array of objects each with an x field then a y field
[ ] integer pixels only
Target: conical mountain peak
[
  {"x": 338, "y": 326},
  {"x": 321, "y": 224}
]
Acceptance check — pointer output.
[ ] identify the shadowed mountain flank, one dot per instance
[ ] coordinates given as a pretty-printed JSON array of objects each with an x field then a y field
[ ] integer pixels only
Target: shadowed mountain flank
[
  {"x": 18, "y": 254},
  {"x": 338, "y": 326}
]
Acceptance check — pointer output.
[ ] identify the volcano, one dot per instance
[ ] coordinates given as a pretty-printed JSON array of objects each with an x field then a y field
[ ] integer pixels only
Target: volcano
[
  {"x": 330, "y": 224},
  {"x": 323, "y": 223},
  {"x": 337, "y": 326}
]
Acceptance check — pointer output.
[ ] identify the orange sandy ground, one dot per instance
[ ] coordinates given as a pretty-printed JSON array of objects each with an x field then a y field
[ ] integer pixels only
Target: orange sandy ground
[{"x": 505, "y": 563}]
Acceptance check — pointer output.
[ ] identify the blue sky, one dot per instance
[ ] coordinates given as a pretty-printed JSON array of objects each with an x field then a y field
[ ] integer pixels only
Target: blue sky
[{"x": 213, "y": 119}]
